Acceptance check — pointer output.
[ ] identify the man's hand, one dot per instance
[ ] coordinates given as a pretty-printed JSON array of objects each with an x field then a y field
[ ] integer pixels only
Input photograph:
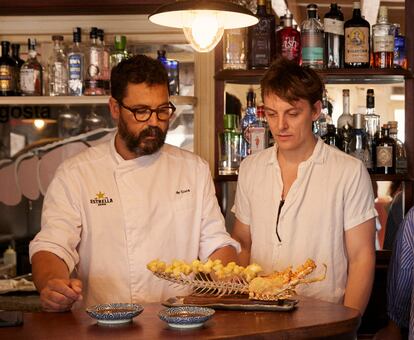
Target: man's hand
[{"x": 60, "y": 294}]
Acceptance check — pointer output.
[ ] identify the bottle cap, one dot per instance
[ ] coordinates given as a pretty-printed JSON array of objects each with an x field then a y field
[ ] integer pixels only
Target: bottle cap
[
  {"x": 345, "y": 92},
  {"x": 260, "y": 112},
  {"x": 5, "y": 44},
  {"x": 120, "y": 42},
  {"x": 31, "y": 43},
  {"x": 77, "y": 35},
  {"x": 93, "y": 34},
  {"x": 357, "y": 5},
  {"x": 57, "y": 37}
]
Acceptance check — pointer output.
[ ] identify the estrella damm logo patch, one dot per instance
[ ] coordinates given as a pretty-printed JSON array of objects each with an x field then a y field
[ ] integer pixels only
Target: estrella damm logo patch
[{"x": 101, "y": 199}]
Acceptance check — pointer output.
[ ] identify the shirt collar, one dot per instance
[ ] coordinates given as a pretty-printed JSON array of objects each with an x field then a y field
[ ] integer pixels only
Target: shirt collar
[{"x": 318, "y": 154}]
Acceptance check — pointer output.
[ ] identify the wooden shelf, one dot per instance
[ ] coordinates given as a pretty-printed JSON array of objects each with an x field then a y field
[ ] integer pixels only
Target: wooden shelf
[
  {"x": 374, "y": 177},
  {"x": 79, "y": 100},
  {"x": 330, "y": 76}
]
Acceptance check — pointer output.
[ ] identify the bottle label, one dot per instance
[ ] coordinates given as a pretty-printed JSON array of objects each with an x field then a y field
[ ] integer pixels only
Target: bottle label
[
  {"x": 312, "y": 48},
  {"x": 257, "y": 139},
  {"x": 6, "y": 78},
  {"x": 333, "y": 26},
  {"x": 93, "y": 67},
  {"x": 28, "y": 78},
  {"x": 383, "y": 43},
  {"x": 290, "y": 47},
  {"x": 75, "y": 74},
  {"x": 384, "y": 156},
  {"x": 357, "y": 45}
]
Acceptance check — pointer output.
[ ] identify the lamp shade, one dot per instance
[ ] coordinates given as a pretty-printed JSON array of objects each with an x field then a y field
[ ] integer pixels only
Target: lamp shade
[{"x": 203, "y": 21}]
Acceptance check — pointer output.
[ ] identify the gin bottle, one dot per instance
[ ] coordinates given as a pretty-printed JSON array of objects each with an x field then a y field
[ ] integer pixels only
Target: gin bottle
[
  {"x": 57, "y": 68},
  {"x": 105, "y": 66},
  {"x": 120, "y": 53},
  {"x": 345, "y": 122},
  {"x": 8, "y": 69},
  {"x": 16, "y": 56},
  {"x": 288, "y": 40},
  {"x": 259, "y": 132},
  {"x": 400, "y": 59},
  {"x": 357, "y": 50},
  {"x": 372, "y": 124},
  {"x": 385, "y": 153},
  {"x": 235, "y": 48},
  {"x": 333, "y": 23},
  {"x": 76, "y": 65},
  {"x": 383, "y": 40},
  {"x": 401, "y": 154},
  {"x": 93, "y": 57},
  {"x": 358, "y": 146},
  {"x": 31, "y": 73},
  {"x": 312, "y": 39},
  {"x": 261, "y": 38},
  {"x": 249, "y": 120}
]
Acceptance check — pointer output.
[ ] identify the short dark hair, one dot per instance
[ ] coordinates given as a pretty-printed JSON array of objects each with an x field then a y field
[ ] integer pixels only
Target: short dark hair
[
  {"x": 292, "y": 82},
  {"x": 136, "y": 70}
]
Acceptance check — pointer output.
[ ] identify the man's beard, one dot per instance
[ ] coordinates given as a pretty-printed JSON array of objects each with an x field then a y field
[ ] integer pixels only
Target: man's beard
[{"x": 139, "y": 144}]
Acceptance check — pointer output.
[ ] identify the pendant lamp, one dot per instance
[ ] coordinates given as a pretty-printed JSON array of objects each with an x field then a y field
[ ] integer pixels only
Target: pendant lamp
[{"x": 203, "y": 21}]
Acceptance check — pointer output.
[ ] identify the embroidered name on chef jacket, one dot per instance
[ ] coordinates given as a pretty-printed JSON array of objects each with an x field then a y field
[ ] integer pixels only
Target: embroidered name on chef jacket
[
  {"x": 179, "y": 192},
  {"x": 101, "y": 199}
]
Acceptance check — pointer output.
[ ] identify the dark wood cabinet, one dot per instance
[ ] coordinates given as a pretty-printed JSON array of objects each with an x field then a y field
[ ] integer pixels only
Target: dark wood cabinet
[{"x": 79, "y": 7}]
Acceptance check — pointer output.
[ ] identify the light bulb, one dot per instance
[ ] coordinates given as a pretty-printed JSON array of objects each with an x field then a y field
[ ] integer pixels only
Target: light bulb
[
  {"x": 203, "y": 30},
  {"x": 39, "y": 124}
]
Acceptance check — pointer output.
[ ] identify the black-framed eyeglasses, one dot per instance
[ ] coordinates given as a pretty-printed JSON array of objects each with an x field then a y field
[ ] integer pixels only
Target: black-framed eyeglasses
[{"x": 142, "y": 114}]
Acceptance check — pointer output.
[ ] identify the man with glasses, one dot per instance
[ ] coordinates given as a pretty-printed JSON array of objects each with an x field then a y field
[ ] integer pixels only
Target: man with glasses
[
  {"x": 114, "y": 208},
  {"x": 304, "y": 199}
]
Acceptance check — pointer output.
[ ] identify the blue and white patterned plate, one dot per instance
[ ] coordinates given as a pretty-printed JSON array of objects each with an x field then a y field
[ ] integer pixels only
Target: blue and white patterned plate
[
  {"x": 114, "y": 313},
  {"x": 186, "y": 317}
]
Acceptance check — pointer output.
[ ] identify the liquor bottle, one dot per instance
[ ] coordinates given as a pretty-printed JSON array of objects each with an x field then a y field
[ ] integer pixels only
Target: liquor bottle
[
  {"x": 401, "y": 154},
  {"x": 288, "y": 40},
  {"x": 76, "y": 65},
  {"x": 16, "y": 56},
  {"x": 357, "y": 51},
  {"x": 31, "y": 73},
  {"x": 57, "y": 69},
  {"x": 385, "y": 153},
  {"x": 120, "y": 53},
  {"x": 400, "y": 59},
  {"x": 259, "y": 132},
  {"x": 383, "y": 40},
  {"x": 8, "y": 69},
  {"x": 331, "y": 138},
  {"x": 344, "y": 124},
  {"x": 249, "y": 120},
  {"x": 320, "y": 126},
  {"x": 93, "y": 57},
  {"x": 105, "y": 66},
  {"x": 358, "y": 146},
  {"x": 333, "y": 23},
  {"x": 230, "y": 146},
  {"x": 172, "y": 67},
  {"x": 234, "y": 49},
  {"x": 312, "y": 39},
  {"x": 261, "y": 38},
  {"x": 372, "y": 125}
]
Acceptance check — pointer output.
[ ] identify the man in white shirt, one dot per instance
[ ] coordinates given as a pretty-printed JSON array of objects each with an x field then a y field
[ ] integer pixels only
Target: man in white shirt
[
  {"x": 304, "y": 199},
  {"x": 115, "y": 207}
]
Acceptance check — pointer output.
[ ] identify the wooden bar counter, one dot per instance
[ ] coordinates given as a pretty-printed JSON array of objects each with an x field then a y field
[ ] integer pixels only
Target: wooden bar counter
[{"x": 312, "y": 319}]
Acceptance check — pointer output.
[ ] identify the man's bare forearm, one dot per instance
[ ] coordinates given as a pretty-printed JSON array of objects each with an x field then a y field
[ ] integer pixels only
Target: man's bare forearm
[
  {"x": 226, "y": 254},
  {"x": 47, "y": 266},
  {"x": 359, "y": 284}
]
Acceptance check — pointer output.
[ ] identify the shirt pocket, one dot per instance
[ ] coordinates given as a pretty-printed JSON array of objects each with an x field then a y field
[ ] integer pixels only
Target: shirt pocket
[{"x": 184, "y": 202}]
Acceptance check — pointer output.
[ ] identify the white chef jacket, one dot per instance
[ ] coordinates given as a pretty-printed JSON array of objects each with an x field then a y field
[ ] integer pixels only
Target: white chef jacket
[
  {"x": 331, "y": 194},
  {"x": 108, "y": 217}
]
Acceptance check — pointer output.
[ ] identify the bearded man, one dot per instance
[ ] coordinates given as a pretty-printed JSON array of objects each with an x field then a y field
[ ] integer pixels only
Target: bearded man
[{"x": 120, "y": 204}]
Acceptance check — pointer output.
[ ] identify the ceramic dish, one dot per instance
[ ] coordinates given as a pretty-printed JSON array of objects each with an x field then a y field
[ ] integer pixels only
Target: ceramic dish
[
  {"x": 186, "y": 317},
  {"x": 232, "y": 304},
  {"x": 114, "y": 313}
]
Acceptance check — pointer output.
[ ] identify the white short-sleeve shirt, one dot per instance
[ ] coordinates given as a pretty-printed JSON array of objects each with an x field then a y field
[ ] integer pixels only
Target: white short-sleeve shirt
[
  {"x": 332, "y": 194},
  {"x": 108, "y": 217}
]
